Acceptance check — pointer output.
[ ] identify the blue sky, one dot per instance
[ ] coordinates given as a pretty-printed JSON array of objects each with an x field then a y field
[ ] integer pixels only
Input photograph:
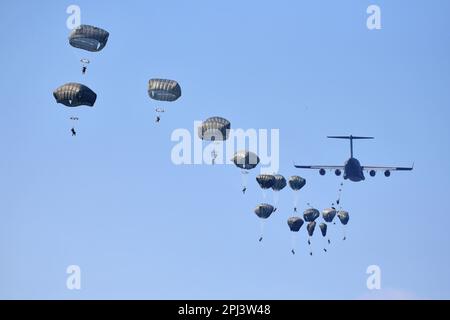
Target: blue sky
[{"x": 112, "y": 202}]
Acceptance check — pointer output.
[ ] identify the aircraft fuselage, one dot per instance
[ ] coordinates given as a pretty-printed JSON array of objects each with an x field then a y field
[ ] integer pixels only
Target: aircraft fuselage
[{"x": 353, "y": 170}]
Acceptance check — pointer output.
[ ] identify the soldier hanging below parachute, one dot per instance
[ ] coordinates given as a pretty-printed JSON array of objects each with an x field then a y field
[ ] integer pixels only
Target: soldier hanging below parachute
[
  {"x": 263, "y": 211},
  {"x": 245, "y": 160},
  {"x": 296, "y": 183},
  {"x": 295, "y": 224}
]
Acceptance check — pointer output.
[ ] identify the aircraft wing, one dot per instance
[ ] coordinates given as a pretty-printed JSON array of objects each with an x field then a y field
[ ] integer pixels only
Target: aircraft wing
[
  {"x": 320, "y": 167},
  {"x": 375, "y": 168}
]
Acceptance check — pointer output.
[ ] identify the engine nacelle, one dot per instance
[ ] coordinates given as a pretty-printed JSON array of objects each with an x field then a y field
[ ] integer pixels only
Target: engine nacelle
[
  {"x": 387, "y": 173},
  {"x": 322, "y": 172},
  {"x": 372, "y": 173},
  {"x": 337, "y": 172}
]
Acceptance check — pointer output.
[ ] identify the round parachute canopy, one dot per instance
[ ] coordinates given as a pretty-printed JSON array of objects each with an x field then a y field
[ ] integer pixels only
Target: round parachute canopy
[
  {"x": 280, "y": 183},
  {"x": 329, "y": 214},
  {"x": 88, "y": 38},
  {"x": 311, "y": 214},
  {"x": 74, "y": 95},
  {"x": 214, "y": 129},
  {"x": 295, "y": 223},
  {"x": 164, "y": 90},
  {"x": 264, "y": 210},
  {"x": 311, "y": 227},
  {"x": 343, "y": 216},
  {"x": 323, "y": 229},
  {"x": 296, "y": 183},
  {"x": 265, "y": 181},
  {"x": 245, "y": 160}
]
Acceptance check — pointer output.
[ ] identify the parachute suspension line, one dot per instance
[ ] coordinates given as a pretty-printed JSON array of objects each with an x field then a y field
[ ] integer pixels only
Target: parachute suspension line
[
  {"x": 345, "y": 233},
  {"x": 264, "y": 192},
  {"x": 276, "y": 198}
]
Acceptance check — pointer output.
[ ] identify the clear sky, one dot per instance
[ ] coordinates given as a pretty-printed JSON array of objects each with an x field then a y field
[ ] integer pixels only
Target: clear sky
[{"x": 112, "y": 202}]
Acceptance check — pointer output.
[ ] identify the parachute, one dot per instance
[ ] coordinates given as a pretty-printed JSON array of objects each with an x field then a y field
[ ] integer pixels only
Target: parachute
[
  {"x": 265, "y": 181},
  {"x": 263, "y": 211},
  {"x": 279, "y": 183},
  {"x": 344, "y": 218},
  {"x": 245, "y": 160},
  {"x": 329, "y": 214},
  {"x": 164, "y": 90},
  {"x": 323, "y": 229},
  {"x": 74, "y": 95},
  {"x": 294, "y": 223},
  {"x": 88, "y": 38},
  {"x": 310, "y": 228},
  {"x": 214, "y": 129},
  {"x": 311, "y": 214},
  {"x": 296, "y": 183}
]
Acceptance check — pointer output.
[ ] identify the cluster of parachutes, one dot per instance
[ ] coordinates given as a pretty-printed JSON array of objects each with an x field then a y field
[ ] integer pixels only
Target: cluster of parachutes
[
  {"x": 310, "y": 216},
  {"x": 214, "y": 129},
  {"x": 246, "y": 160},
  {"x": 94, "y": 39}
]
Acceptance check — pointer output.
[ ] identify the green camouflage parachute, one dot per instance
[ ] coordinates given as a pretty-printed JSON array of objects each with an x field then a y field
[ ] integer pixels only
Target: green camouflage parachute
[
  {"x": 279, "y": 183},
  {"x": 311, "y": 214},
  {"x": 295, "y": 223},
  {"x": 88, "y": 38},
  {"x": 311, "y": 227},
  {"x": 343, "y": 217},
  {"x": 265, "y": 181},
  {"x": 74, "y": 95},
  {"x": 245, "y": 160},
  {"x": 296, "y": 183},
  {"x": 323, "y": 228},
  {"x": 214, "y": 129},
  {"x": 164, "y": 90},
  {"x": 264, "y": 210},
  {"x": 328, "y": 215}
]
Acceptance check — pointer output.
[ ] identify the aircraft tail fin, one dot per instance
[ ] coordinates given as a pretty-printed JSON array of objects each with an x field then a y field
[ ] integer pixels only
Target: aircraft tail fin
[{"x": 351, "y": 138}]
